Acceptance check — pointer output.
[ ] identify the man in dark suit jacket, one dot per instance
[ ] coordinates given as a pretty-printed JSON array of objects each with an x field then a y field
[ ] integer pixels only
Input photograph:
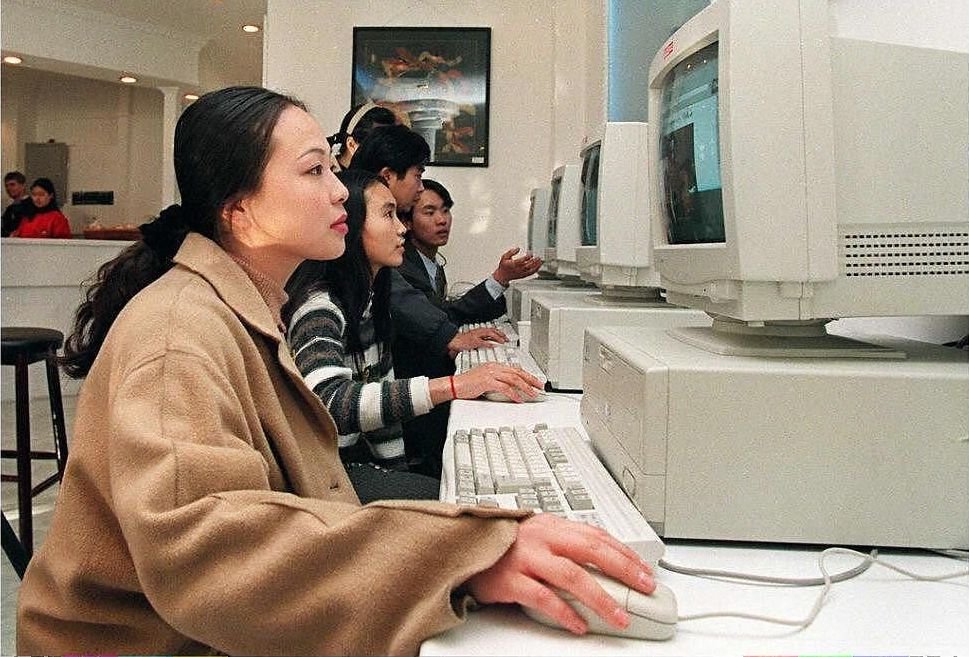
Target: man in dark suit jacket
[{"x": 422, "y": 336}]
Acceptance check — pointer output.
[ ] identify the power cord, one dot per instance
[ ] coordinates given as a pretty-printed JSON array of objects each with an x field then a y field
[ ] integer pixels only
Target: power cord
[{"x": 826, "y": 580}]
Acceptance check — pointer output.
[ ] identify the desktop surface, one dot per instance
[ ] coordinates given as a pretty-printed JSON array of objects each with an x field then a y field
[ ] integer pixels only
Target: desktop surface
[{"x": 878, "y": 612}]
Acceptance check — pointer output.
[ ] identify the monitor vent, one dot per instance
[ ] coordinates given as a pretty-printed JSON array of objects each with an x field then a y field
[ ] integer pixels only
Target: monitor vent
[{"x": 905, "y": 254}]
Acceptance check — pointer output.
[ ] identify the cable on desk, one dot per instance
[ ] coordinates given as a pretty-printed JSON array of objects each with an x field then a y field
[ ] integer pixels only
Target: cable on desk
[
  {"x": 787, "y": 581},
  {"x": 961, "y": 555},
  {"x": 827, "y": 580}
]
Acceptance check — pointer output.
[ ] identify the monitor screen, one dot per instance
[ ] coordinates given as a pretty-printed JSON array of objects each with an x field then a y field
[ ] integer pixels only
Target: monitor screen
[
  {"x": 590, "y": 194},
  {"x": 553, "y": 211},
  {"x": 690, "y": 151}
]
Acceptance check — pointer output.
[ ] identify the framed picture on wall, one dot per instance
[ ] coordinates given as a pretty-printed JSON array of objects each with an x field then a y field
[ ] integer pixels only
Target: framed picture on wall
[{"x": 437, "y": 79}]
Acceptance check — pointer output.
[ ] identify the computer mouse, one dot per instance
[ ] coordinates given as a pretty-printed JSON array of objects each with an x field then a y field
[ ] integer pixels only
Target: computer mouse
[{"x": 651, "y": 617}]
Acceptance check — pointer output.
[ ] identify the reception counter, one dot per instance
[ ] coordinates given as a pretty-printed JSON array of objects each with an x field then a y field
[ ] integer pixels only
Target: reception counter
[{"x": 42, "y": 285}]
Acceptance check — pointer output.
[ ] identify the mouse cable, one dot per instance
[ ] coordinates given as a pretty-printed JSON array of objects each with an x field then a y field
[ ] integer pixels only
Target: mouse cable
[
  {"x": 961, "y": 555},
  {"x": 786, "y": 581},
  {"x": 828, "y": 580}
]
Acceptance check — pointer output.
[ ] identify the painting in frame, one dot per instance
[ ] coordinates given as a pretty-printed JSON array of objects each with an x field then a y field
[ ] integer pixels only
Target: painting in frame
[{"x": 437, "y": 79}]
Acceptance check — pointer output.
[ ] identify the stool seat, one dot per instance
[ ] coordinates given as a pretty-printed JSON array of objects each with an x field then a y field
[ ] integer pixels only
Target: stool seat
[
  {"x": 33, "y": 341},
  {"x": 23, "y": 345}
]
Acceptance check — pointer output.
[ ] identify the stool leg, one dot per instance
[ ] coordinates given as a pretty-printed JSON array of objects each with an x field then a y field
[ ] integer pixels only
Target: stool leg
[
  {"x": 24, "y": 474},
  {"x": 57, "y": 411}
]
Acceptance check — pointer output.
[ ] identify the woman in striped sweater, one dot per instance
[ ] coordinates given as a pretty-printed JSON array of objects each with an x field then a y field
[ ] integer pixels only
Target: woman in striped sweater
[{"x": 339, "y": 329}]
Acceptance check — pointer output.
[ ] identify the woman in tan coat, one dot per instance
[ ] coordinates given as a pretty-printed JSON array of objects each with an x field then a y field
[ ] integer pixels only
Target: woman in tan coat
[{"x": 204, "y": 507}]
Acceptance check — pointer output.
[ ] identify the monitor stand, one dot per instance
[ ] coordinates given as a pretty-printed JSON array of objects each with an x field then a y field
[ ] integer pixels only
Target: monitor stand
[{"x": 779, "y": 340}]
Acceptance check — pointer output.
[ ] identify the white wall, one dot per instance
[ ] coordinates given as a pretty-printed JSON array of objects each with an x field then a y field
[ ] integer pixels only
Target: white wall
[
  {"x": 547, "y": 94},
  {"x": 113, "y": 133}
]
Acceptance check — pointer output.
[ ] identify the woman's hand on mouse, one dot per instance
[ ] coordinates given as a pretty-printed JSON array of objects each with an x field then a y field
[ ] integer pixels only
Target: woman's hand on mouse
[{"x": 552, "y": 553}]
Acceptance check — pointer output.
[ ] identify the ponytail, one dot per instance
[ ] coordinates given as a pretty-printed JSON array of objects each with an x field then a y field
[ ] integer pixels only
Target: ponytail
[{"x": 116, "y": 283}]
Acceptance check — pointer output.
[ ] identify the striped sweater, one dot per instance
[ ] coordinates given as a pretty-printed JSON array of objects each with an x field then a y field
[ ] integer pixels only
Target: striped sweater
[{"x": 359, "y": 388}]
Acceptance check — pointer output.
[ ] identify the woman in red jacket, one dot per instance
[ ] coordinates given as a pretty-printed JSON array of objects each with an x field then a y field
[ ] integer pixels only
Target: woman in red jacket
[{"x": 44, "y": 219}]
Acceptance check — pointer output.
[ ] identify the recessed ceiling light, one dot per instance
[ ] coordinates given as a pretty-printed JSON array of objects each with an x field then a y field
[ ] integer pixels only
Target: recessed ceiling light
[
  {"x": 128, "y": 79},
  {"x": 251, "y": 29},
  {"x": 191, "y": 97},
  {"x": 12, "y": 59}
]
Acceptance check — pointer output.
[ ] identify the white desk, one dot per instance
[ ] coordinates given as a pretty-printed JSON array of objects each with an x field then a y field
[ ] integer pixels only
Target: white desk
[{"x": 879, "y": 612}]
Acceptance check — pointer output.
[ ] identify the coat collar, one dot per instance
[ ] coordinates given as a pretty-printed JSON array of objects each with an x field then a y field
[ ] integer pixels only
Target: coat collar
[{"x": 207, "y": 259}]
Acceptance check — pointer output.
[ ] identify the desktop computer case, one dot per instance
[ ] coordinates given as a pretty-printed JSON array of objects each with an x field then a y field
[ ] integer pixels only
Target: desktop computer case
[
  {"x": 559, "y": 320},
  {"x": 827, "y": 451}
]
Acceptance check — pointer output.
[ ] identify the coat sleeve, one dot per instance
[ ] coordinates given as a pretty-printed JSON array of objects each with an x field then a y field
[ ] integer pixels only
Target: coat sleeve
[
  {"x": 249, "y": 570},
  {"x": 475, "y": 305}
]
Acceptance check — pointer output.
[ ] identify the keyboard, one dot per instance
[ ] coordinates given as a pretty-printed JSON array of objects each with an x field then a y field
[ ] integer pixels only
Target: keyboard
[
  {"x": 547, "y": 470},
  {"x": 503, "y": 325},
  {"x": 499, "y": 353}
]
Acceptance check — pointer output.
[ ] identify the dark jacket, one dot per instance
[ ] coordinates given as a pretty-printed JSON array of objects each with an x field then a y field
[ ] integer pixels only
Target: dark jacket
[
  {"x": 14, "y": 213},
  {"x": 424, "y": 324}
]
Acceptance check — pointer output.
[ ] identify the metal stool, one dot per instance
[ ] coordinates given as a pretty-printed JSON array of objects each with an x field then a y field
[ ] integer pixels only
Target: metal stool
[{"x": 21, "y": 347}]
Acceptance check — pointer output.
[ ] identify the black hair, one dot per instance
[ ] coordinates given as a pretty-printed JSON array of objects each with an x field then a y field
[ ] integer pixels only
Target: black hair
[
  {"x": 440, "y": 190},
  {"x": 15, "y": 175},
  {"x": 347, "y": 279},
  {"x": 48, "y": 186},
  {"x": 375, "y": 117},
  {"x": 223, "y": 142},
  {"x": 396, "y": 147}
]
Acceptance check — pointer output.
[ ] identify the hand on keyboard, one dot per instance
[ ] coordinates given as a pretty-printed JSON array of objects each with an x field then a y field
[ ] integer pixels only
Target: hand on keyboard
[
  {"x": 548, "y": 554},
  {"x": 512, "y": 382},
  {"x": 474, "y": 339}
]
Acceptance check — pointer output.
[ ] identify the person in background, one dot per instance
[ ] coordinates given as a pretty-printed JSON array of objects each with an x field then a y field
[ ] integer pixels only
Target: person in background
[
  {"x": 204, "y": 508},
  {"x": 340, "y": 332},
  {"x": 15, "y": 183},
  {"x": 359, "y": 122},
  {"x": 44, "y": 218}
]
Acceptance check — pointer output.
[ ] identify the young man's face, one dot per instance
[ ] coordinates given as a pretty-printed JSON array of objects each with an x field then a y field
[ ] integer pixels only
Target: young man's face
[
  {"x": 407, "y": 188},
  {"x": 430, "y": 224},
  {"x": 15, "y": 188}
]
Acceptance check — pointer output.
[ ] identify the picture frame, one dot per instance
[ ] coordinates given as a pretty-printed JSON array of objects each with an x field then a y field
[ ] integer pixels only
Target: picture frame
[{"x": 437, "y": 79}]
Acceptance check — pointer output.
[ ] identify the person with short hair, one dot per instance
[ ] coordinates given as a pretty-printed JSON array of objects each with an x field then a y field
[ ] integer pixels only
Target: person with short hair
[
  {"x": 357, "y": 124},
  {"x": 44, "y": 217},
  {"x": 204, "y": 508},
  {"x": 428, "y": 229},
  {"x": 15, "y": 183}
]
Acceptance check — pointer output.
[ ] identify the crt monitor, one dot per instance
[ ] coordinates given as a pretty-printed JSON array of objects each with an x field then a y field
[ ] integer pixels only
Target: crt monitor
[
  {"x": 799, "y": 174},
  {"x": 538, "y": 206},
  {"x": 616, "y": 252},
  {"x": 563, "y": 223}
]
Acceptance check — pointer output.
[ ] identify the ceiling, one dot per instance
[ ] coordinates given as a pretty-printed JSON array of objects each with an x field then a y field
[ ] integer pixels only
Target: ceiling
[
  {"x": 229, "y": 56},
  {"x": 202, "y": 17}
]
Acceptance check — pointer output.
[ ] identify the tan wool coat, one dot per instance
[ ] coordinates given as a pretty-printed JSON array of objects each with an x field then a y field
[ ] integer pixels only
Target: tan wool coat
[{"x": 205, "y": 508}]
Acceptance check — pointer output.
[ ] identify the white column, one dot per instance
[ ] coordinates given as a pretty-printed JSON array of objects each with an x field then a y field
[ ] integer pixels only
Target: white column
[{"x": 171, "y": 109}]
